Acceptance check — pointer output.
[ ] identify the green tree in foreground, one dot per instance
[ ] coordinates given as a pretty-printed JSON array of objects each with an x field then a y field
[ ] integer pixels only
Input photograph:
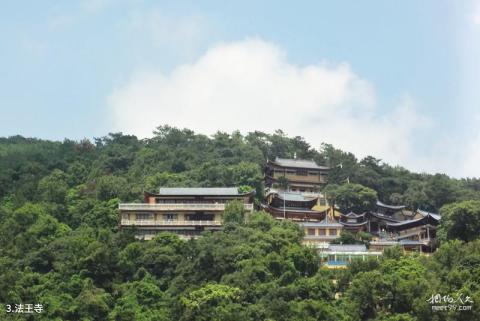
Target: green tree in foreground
[
  {"x": 460, "y": 221},
  {"x": 234, "y": 213}
]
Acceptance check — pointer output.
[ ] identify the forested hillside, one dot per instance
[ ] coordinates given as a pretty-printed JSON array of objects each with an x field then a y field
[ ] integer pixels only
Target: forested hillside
[{"x": 60, "y": 245}]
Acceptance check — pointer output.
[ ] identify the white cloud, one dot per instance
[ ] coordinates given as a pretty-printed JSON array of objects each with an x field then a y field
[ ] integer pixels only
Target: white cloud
[
  {"x": 469, "y": 166},
  {"x": 250, "y": 85},
  {"x": 95, "y": 5},
  {"x": 60, "y": 21},
  {"x": 34, "y": 46},
  {"x": 476, "y": 13},
  {"x": 169, "y": 31}
]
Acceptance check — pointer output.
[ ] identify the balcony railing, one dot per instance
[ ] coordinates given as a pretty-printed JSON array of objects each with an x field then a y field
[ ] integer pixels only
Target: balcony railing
[
  {"x": 177, "y": 207},
  {"x": 320, "y": 237},
  {"x": 168, "y": 223}
]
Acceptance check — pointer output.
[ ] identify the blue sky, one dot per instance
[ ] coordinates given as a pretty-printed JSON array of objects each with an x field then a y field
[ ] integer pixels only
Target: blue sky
[{"x": 397, "y": 79}]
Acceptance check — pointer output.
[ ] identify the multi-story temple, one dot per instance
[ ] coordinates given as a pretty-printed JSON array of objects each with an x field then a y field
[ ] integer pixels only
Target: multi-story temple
[
  {"x": 385, "y": 214},
  {"x": 396, "y": 226},
  {"x": 302, "y": 175},
  {"x": 294, "y": 206},
  {"x": 297, "y": 197},
  {"x": 422, "y": 230},
  {"x": 354, "y": 222},
  {"x": 185, "y": 211},
  {"x": 309, "y": 210},
  {"x": 300, "y": 199}
]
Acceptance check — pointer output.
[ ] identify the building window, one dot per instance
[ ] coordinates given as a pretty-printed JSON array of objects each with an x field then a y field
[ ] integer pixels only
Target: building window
[
  {"x": 302, "y": 172},
  {"x": 311, "y": 231},
  {"x": 332, "y": 231},
  {"x": 170, "y": 217},
  {"x": 144, "y": 216},
  {"x": 125, "y": 216},
  {"x": 321, "y": 231}
]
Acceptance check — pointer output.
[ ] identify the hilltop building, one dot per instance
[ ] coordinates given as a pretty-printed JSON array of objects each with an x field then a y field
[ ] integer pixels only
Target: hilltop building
[
  {"x": 303, "y": 176},
  {"x": 320, "y": 234},
  {"x": 353, "y": 222},
  {"x": 293, "y": 191},
  {"x": 385, "y": 214},
  {"x": 295, "y": 206},
  {"x": 185, "y": 211},
  {"x": 413, "y": 231}
]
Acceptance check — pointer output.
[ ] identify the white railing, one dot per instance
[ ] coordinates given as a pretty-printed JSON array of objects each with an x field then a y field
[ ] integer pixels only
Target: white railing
[
  {"x": 169, "y": 223},
  {"x": 319, "y": 237},
  {"x": 177, "y": 207}
]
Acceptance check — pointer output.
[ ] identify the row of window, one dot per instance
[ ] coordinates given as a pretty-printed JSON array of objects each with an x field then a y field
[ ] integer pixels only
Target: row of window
[
  {"x": 299, "y": 172},
  {"x": 147, "y": 234},
  {"x": 191, "y": 201},
  {"x": 322, "y": 231},
  {"x": 144, "y": 216},
  {"x": 172, "y": 217}
]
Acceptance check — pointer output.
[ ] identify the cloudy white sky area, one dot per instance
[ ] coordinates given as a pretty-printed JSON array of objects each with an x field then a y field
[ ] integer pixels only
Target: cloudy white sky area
[{"x": 398, "y": 81}]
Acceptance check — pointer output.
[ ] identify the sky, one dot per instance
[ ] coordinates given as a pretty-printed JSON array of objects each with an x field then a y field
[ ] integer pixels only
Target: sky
[{"x": 395, "y": 80}]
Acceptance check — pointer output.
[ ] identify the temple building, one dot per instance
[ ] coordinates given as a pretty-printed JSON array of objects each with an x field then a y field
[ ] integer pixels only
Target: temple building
[
  {"x": 303, "y": 176},
  {"x": 421, "y": 230},
  {"x": 320, "y": 234},
  {"x": 293, "y": 191},
  {"x": 389, "y": 210},
  {"x": 185, "y": 211},
  {"x": 385, "y": 214},
  {"x": 354, "y": 222},
  {"x": 415, "y": 234},
  {"x": 294, "y": 206}
]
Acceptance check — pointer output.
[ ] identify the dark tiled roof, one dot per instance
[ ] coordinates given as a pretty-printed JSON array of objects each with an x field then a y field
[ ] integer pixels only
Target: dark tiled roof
[
  {"x": 353, "y": 224},
  {"x": 384, "y": 217},
  {"x": 347, "y": 248},
  {"x": 392, "y": 207},
  {"x": 298, "y": 163},
  {"x": 290, "y": 209},
  {"x": 425, "y": 213},
  {"x": 295, "y": 197},
  {"x": 215, "y": 191},
  {"x": 407, "y": 222},
  {"x": 323, "y": 223},
  {"x": 410, "y": 242},
  {"x": 352, "y": 214}
]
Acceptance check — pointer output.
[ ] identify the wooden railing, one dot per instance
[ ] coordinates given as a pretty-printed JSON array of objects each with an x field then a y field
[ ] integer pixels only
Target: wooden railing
[
  {"x": 168, "y": 223},
  {"x": 177, "y": 207},
  {"x": 319, "y": 237}
]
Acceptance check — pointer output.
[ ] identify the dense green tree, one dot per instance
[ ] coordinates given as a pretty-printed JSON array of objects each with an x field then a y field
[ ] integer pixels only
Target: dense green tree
[
  {"x": 211, "y": 302},
  {"x": 460, "y": 221},
  {"x": 109, "y": 187},
  {"x": 234, "y": 213},
  {"x": 352, "y": 197},
  {"x": 416, "y": 197},
  {"x": 54, "y": 187}
]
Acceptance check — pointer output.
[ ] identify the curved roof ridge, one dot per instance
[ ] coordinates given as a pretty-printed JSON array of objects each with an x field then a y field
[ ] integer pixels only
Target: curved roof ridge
[
  {"x": 298, "y": 163},
  {"x": 393, "y": 207}
]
